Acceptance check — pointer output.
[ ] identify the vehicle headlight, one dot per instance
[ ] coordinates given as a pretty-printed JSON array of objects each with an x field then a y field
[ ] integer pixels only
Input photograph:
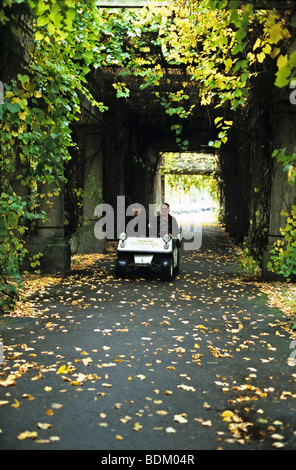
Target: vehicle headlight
[
  {"x": 166, "y": 238},
  {"x": 123, "y": 236}
]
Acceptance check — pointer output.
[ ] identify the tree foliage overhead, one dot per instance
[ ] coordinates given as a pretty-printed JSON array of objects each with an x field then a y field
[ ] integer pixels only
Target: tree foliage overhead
[{"x": 222, "y": 45}]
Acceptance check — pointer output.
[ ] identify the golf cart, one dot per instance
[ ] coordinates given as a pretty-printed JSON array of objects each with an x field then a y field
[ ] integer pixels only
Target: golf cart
[{"x": 159, "y": 254}]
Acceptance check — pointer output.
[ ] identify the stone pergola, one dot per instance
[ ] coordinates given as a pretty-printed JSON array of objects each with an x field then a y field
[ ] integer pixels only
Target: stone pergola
[{"x": 120, "y": 150}]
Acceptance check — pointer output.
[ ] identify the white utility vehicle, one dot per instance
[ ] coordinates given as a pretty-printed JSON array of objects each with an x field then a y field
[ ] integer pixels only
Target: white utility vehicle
[{"x": 159, "y": 254}]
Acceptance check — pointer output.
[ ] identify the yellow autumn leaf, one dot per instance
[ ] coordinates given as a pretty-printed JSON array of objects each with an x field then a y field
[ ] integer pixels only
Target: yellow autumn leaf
[
  {"x": 137, "y": 427},
  {"x": 188, "y": 388},
  {"x": 9, "y": 94},
  {"x": 257, "y": 43},
  {"x": 267, "y": 49},
  {"x": 44, "y": 425},
  {"x": 125, "y": 420},
  {"x": 260, "y": 57},
  {"x": 161, "y": 412},
  {"x": 208, "y": 423},
  {"x": 16, "y": 403},
  {"x": 63, "y": 370},
  {"x": 170, "y": 430},
  {"x": 227, "y": 415},
  {"x": 282, "y": 61},
  {"x": 275, "y": 51},
  {"x": 27, "y": 395},
  {"x": 75, "y": 382},
  {"x": 23, "y": 115},
  {"x": 37, "y": 377},
  {"x": 276, "y": 33},
  {"x": 181, "y": 418},
  {"x": 228, "y": 64},
  {"x": 27, "y": 435}
]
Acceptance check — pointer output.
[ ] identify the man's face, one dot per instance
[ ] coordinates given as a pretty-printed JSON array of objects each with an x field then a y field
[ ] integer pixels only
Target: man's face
[{"x": 165, "y": 210}]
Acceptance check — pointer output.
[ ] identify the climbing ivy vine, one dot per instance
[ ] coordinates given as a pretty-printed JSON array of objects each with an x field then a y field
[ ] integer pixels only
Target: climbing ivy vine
[
  {"x": 221, "y": 46},
  {"x": 283, "y": 254},
  {"x": 40, "y": 104}
]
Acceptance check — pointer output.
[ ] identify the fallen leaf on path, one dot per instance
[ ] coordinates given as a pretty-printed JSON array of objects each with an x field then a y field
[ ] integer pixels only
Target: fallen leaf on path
[
  {"x": 30, "y": 397},
  {"x": 141, "y": 377},
  {"x": 125, "y": 420},
  {"x": 186, "y": 387},
  {"x": 27, "y": 435},
  {"x": 207, "y": 423},
  {"x": 56, "y": 406},
  {"x": 8, "y": 382},
  {"x": 181, "y": 418},
  {"x": 137, "y": 427},
  {"x": 37, "y": 377},
  {"x": 170, "y": 430},
  {"x": 44, "y": 426}
]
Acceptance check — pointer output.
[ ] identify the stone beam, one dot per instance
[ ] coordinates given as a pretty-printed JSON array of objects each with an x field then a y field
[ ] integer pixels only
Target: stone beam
[
  {"x": 258, "y": 5},
  {"x": 127, "y": 3}
]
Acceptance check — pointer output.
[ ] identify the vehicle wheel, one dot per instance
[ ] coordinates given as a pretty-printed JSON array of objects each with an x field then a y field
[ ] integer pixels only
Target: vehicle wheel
[
  {"x": 121, "y": 269},
  {"x": 166, "y": 269}
]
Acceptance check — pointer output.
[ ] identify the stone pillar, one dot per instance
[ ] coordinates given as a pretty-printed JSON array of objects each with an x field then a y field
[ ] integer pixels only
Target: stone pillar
[
  {"x": 158, "y": 188},
  {"x": 283, "y": 194},
  {"x": 93, "y": 189},
  {"x": 236, "y": 216},
  {"x": 50, "y": 241}
]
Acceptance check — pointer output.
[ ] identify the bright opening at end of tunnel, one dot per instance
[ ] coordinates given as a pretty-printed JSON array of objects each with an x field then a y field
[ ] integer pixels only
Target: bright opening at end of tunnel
[{"x": 191, "y": 185}]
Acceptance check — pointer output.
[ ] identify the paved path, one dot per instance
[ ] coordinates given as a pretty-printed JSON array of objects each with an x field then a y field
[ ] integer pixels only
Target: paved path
[{"x": 200, "y": 363}]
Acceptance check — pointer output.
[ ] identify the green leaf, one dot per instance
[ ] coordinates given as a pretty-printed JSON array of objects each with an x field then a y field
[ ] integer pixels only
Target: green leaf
[
  {"x": 282, "y": 76},
  {"x": 292, "y": 59},
  {"x": 13, "y": 108},
  {"x": 23, "y": 78},
  {"x": 51, "y": 29}
]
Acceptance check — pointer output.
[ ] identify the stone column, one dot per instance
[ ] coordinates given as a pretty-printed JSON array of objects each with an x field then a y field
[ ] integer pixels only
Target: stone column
[
  {"x": 93, "y": 189},
  {"x": 50, "y": 241},
  {"x": 283, "y": 195},
  {"x": 158, "y": 188}
]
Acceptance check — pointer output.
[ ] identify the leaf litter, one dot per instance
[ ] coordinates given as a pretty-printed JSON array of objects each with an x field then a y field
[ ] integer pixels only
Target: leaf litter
[{"x": 196, "y": 341}]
